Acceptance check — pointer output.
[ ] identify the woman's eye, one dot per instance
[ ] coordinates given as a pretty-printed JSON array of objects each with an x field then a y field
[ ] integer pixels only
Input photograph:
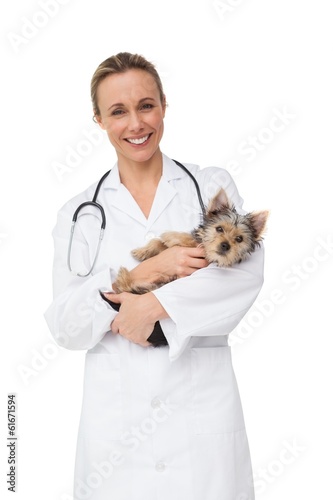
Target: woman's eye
[
  {"x": 219, "y": 229},
  {"x": 147, "y": 106},
  {"x": 117, "y": 112},
  {"x": 239, "y": 239}
]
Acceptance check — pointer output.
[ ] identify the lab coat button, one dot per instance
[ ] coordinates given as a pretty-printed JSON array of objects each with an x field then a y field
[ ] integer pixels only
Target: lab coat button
[
  {"x": 160, "y": 466},
  {"x": 156, "y": 403},
  {"x": 150, "y": 236}
]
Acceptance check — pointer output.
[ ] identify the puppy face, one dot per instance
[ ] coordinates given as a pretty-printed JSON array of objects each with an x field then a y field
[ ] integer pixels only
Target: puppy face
[{"x": 229, "y": 237}]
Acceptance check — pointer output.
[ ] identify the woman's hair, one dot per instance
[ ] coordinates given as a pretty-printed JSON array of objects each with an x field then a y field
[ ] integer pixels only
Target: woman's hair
[{"x": 120, "y": 63}]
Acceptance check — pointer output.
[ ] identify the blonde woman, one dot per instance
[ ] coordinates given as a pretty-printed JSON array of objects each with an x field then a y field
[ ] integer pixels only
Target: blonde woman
[{"x": 157, "y": 423}]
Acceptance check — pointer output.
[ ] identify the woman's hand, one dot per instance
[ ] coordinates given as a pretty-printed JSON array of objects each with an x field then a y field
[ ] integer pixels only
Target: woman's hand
[
  {"x": 137, "y": 316},
  {"x": 175, "y": 261}
]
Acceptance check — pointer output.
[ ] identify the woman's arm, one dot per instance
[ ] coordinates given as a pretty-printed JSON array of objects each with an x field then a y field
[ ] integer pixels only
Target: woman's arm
[
  {"x": 210, "y": 302},
  {"x": 78, "y": 317},
  {"x": 176, "y": 261}
]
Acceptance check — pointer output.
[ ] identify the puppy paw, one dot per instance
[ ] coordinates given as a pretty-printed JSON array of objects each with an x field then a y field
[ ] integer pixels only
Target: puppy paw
[{"x": 153, "y": 247}]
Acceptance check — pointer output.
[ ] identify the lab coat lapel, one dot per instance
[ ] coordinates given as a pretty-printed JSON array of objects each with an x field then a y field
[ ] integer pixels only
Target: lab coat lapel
[
  {"x": 116, "y": 195},
  {"x": 164, "y": 194},
  {"x": 124, "y": 201},
  {"x": 165, "y": 191}
]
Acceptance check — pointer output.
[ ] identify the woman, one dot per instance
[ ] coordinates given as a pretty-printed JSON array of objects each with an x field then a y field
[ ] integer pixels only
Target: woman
[{"x": 156, "y": 423}]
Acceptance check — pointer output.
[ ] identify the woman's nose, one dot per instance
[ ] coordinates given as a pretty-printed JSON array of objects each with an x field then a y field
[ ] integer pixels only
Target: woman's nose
[{"x": 134, "y": 122}]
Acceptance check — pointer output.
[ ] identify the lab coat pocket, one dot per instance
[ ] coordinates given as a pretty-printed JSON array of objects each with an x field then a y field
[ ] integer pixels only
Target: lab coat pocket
[
  {"x": 216, "y": 402},
  {"x": 102, "y": 413}
]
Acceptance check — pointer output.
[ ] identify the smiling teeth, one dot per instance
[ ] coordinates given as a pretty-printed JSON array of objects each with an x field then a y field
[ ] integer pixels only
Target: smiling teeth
[{"x": 138, "y": 141}]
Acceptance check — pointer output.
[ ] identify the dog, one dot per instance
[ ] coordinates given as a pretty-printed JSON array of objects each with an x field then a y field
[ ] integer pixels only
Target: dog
[{"x": 226, "y": 236}]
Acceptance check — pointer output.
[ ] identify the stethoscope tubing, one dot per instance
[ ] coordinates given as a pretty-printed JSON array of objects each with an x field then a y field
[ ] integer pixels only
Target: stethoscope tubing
[{"x": 94, "y": 203}]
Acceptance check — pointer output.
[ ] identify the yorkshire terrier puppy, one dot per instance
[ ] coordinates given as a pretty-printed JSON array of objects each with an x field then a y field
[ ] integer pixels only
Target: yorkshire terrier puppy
[{"x": 226, "y": 236}]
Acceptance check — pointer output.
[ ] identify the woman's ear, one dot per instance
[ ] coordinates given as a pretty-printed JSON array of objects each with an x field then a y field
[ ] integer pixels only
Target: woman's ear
[
  {"x": 164, "y": 105},
  {"x": 97, "y": 119}
]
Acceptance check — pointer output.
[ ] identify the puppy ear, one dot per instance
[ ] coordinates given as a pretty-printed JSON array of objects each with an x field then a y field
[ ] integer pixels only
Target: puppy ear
[
  {"x": 219, "y": 201},
  {"x": 258, "y": 223}
]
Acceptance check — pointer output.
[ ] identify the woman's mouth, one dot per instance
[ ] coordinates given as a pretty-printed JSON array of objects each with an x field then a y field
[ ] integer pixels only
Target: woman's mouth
[{"x": 140, "y": 140}]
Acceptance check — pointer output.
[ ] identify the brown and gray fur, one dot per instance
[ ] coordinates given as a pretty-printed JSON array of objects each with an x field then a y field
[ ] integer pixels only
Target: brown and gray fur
[{"x": 226, "y": 236}]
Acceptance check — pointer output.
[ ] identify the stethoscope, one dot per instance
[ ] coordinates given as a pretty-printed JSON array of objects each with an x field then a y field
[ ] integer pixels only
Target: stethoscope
[{"x": 93, "y": 203}]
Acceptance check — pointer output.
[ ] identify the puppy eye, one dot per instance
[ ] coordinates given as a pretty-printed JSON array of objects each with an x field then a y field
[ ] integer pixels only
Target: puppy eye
[
  {"x": 239, "y": 239},
  {"x": 219, "y": 229}
]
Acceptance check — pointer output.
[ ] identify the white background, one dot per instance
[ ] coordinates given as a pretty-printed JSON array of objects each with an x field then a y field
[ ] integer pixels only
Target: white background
[{"x": 227, "y": 68}]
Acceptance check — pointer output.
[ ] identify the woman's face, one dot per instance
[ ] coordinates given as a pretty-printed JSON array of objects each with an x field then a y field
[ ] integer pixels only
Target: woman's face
[{"x": 132, "y": 114}]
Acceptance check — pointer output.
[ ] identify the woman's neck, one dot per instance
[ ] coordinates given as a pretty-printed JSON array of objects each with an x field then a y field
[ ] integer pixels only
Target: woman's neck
[
  {"x": 141, "y": 179},
  {"x": 133, "y": 174}
]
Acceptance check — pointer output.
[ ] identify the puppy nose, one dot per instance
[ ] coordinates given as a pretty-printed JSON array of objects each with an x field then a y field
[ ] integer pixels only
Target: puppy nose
[{"x": 225, "y": 247}]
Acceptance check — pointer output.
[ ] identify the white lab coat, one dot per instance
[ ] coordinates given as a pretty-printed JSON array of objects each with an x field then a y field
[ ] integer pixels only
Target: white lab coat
[{"x": 156, "y": 423}]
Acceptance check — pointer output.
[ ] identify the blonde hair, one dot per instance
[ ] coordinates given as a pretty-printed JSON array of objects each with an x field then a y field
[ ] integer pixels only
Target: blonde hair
[{"x": 120, "y": 63}]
